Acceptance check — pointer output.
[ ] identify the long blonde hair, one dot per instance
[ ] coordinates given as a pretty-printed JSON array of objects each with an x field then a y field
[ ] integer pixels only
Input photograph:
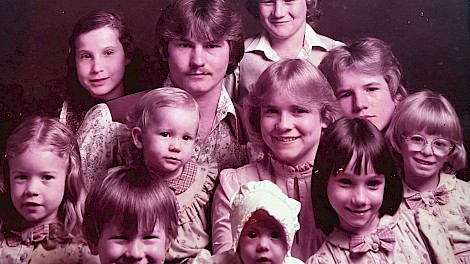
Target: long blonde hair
[{"x": 51, "y": 134}]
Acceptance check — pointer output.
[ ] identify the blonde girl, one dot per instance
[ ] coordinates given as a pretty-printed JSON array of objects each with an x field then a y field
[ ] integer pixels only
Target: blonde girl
[
  {"x": 289, "y": 106},
  {"x": 44, "y": 191},
  {"x": 426, "y": 133}
]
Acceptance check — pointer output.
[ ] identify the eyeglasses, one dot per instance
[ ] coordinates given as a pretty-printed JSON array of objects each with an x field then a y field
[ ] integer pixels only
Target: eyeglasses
[{"x": 439, "y": 146}]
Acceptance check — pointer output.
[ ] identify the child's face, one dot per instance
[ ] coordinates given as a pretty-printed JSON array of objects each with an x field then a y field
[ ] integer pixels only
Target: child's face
[
  {"x": 169, "y": 139},
  {"x": 283, "y": 19},
  {"x": 116, "y": 246},
  {"x": 291, "y": 131},
  {"x": 423, "y": 161},
  {"x": 37, "y": 184},
  {"x": 366, "y": 96},
  {"x": 356, "y": 199},
  {"x": 198, "y": 67},
  {"x": 101, "y": 63},
  {"x": 262, "y": 240}
]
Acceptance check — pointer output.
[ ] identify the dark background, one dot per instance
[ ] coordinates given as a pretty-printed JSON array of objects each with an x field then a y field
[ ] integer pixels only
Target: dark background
[{"x": 429, "y": 37}]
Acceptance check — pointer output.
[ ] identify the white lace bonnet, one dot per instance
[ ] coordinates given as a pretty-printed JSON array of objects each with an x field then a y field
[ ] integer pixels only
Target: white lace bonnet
[{"x": 264, "y": 195}]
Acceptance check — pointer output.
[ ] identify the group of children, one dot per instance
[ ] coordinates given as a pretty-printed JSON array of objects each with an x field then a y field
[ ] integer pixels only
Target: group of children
[{"x": 347, "y": 167}]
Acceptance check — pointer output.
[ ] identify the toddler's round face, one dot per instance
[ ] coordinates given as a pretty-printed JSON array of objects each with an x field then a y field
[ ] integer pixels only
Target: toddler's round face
[
  {"x": 169, "y": 139},
  {"x": 262, "y": 240}
]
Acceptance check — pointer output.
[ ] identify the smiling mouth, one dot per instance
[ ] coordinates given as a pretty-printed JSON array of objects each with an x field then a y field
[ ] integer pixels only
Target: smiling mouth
[
  {"x": 286, "y": 139},
  {"x": 358, "y": 212},
  {"x": 422, "y": 162}
]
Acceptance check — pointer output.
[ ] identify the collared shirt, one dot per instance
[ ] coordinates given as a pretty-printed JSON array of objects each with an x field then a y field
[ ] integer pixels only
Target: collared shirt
[
  {"x": 454, "y": 215},
  {"x": 53, "y": 248},
  {"x": 222, "y": 145},
  {"x": 419, "y": 239},
  {"x": 259, "y": 55},
  {"x": 99, "y": 140}
]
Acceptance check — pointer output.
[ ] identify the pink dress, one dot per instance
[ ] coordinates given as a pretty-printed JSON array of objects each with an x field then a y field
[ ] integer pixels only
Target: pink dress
[
  {"x": 293, "y": 181},
  {"x": 412, "y": 237},
  {"x": 449, "y": 203}
]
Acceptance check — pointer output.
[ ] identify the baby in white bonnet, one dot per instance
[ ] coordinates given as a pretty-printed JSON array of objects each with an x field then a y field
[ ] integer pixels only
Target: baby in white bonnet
[{"x": 264, "y": 222}]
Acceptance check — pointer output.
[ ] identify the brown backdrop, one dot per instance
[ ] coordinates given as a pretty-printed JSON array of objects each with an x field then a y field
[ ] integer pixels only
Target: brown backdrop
[{"x": 429, "y": 37}]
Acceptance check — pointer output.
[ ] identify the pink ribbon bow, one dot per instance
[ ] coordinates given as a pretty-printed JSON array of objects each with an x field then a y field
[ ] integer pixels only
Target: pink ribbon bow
[
  {"x": 49, "y": 235},
  {"x": 383, "y": 239},
  {"x": 441, "y": 196}
]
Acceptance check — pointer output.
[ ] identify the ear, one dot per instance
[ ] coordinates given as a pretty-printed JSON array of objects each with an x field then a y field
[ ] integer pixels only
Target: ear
[
  {"x": 162, "y": 54},
  {"x": 93, "y": 248},
  {"x": 324, "y": 123},
  {"x": 137, "y": 137},
  {"x": 128, "y": 60}
]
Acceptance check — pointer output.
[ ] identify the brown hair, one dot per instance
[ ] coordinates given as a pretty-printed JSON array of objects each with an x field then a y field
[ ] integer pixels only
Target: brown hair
[{"x": 206, "y": 20}]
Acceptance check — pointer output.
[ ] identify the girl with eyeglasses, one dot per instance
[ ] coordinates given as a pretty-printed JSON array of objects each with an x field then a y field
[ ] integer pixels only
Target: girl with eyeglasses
[{"x": 426, "y": 132}]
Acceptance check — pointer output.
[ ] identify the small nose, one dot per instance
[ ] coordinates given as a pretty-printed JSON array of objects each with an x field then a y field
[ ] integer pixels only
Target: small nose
[
  {"x": 135, "y": 251},
  {"x": 361, "y": 101},
  {"x": 263, "y": 244},
  {"x": 427, "y": 149},
  {"x": 359, "y": 196},
  {"x": 97, "y": 65},
  {"x": 197, "y": 56},
  {"x": 175, "y": 145},
  {"x": 32, "y": 187},
  {"x": 285, "y": 122}
]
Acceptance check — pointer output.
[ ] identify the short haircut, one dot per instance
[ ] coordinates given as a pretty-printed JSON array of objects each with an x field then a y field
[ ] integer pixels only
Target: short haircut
[
  {"x": 365, "y": 55},
  {"x": 158, "y": 98},
  {"x": 339, "y": 142},
  {"x": 313, "y": 10},
  {"x": 297, "y": 79},
  {"x": 208, "y": 20},
  {"x": 131, "y": 198},
  {"x": 48, "y": 133},
  {"x": 432, "y": 113}
]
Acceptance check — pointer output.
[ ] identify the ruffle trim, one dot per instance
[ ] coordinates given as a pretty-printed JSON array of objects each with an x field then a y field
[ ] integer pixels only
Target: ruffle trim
[
  {"x": 201, "y": 199},
  {"x": 280, "y": 165}
]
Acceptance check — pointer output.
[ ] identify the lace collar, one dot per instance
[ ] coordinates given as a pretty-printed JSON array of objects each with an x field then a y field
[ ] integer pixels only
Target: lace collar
[{"x": 279, "y": 165}]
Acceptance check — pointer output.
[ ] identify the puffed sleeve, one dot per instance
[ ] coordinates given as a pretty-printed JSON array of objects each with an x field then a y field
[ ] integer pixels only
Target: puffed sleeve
[
  {"x": 97, "y": 139},
  {"x": 221, "y": 227}
]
